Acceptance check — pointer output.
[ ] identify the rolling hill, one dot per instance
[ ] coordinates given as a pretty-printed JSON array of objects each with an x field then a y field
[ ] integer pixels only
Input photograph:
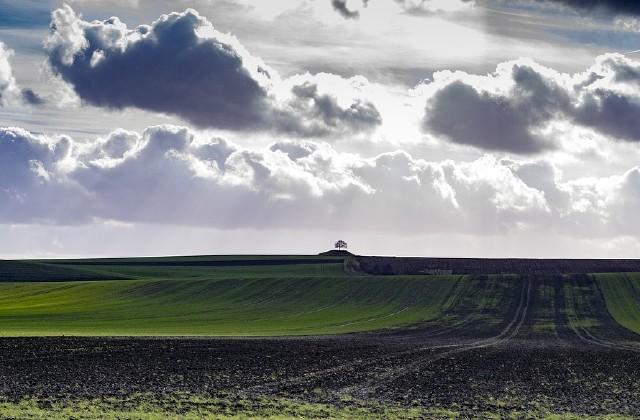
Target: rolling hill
[{"x": 289, "y": 295}]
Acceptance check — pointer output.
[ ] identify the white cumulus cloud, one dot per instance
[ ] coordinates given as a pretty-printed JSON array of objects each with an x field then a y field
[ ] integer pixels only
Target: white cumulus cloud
[{"x": 176, "y": 176}]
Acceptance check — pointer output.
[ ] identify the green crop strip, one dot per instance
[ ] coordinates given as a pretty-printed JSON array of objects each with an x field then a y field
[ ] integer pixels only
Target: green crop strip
[
  {"x": 295, "y": 295},
  {"x": 622, "y": 295},
  {"x": 298, "y": 299}
]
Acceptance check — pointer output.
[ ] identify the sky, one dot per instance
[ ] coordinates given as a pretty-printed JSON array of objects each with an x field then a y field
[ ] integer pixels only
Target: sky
[{"x": 463, "y": 128}]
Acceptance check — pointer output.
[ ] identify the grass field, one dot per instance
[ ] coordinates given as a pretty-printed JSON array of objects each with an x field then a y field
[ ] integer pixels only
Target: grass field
[
  {"x": 622, "y": 295},
  {"x": 276, "y": 295},
  {"x": 181, "y": 299}
]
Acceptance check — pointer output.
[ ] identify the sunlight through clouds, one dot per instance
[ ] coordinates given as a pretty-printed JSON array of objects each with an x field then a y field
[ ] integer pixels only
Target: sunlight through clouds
[{"x": 473, "y": 118}]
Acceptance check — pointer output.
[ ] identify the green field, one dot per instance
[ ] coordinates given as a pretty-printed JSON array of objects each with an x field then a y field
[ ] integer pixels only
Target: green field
[
  {"x": 275, "y": 296},
  {"x": 187, "y": 300},
  {"x": 622, "y": 295}
]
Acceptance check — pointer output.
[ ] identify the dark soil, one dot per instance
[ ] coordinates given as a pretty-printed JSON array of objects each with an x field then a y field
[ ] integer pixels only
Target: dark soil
[
  {"x": 424, "y": 265},
  {"x": 578, "y": 379}
]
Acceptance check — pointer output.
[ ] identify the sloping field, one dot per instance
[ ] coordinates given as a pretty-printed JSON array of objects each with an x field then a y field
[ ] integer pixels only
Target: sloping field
[
  {"x": 622, "y": 295},
  {"x": 213, "y": 296},
  {"x": 11, "y": 271},
  {"x": 294, "y": 295},
  {"x": 243, "y": 307}
]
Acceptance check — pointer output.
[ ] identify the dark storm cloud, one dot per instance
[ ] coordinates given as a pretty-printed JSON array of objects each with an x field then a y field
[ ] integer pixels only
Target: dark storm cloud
[
  {"x": 611, "y": 113},
  {"x": 168, "y": 68},
  {"x": 497, "y": 121},
  {"x": 607, "y": 97},
  {"x": 181, "y": 66},
  {"x": 507, "y": 110},
  {"x": 490, "y": 122}
]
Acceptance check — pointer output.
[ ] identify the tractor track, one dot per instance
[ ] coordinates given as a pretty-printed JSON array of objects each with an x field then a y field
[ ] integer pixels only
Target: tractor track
[
  {"x": 511, "y": 330},
  {"x": 589, "y": 337},
  {"x": 441, "y": 330}
]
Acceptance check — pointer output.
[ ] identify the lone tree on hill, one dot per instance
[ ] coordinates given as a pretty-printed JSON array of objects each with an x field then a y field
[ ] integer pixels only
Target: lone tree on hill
[{"x": 341, "y": 244}]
